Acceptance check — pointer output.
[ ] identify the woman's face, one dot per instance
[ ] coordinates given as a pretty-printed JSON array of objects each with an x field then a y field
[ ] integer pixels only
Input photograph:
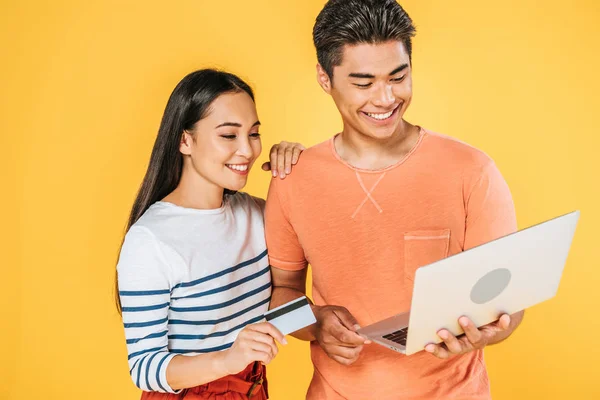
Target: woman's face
[{"x": 224, "y": 145}]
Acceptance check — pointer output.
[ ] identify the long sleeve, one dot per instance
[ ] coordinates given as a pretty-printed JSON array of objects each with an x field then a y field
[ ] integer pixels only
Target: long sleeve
[{"x": 144, "y": 290}]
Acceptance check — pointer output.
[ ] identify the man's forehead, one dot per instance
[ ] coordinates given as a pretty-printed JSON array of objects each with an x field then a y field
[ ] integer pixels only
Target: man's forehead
[{"x": 379, "y": 58}]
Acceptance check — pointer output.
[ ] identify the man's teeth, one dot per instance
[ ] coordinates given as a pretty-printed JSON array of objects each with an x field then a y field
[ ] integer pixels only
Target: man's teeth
[
  {"x": 381, "y": 116},
  {"x": 238, "y": 167}
]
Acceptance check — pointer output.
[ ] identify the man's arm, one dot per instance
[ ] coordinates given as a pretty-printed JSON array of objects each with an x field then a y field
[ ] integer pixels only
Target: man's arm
[
  {"x": 335, "y": 330},
  {"x": 287, "y": 286}
]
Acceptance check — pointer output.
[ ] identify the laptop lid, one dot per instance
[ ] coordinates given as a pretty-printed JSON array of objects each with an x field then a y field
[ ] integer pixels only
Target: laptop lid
[{"x": 503, "y": 276}]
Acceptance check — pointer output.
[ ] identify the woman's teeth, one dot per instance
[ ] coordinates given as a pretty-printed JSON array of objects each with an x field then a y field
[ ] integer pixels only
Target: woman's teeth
[{"x": 241, "y": 168}]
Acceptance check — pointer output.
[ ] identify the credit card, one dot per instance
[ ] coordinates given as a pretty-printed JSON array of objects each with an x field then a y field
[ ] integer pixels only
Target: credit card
[{"x": 292, "y": 316}]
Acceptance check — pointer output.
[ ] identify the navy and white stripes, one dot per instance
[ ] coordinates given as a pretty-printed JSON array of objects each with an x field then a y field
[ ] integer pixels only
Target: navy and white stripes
[{"x": 189, "y": 281}]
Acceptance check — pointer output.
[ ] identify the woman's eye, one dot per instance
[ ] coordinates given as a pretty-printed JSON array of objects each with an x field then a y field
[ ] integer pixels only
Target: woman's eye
[
  {"x": 255, "y": 135},
  {"x": 228, "y": 137}
]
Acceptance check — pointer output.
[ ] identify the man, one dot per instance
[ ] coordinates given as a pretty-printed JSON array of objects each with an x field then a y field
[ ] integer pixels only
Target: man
[{"x": 372, "y": 204}]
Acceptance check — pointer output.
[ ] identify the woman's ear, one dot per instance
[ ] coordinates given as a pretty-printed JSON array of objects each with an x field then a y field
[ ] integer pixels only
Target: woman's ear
[{"x": 185, "y": 146}]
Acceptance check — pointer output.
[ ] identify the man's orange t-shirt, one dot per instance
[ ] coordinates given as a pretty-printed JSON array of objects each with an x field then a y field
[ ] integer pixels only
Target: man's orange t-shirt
[{"x": 365, "y": 232}]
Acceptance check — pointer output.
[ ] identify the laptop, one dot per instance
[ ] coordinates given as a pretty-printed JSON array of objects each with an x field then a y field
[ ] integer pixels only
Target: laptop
[{"x": 503, "y": 276}]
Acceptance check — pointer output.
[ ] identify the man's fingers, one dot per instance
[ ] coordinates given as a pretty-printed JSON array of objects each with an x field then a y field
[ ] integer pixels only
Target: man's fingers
[
  {"x": 345, "y": 337},
  {"x": 473, "y": 334},
  {"x": 437, "y": 351},
  {"x": 345, "y": 352},
  {"x": 346, "y": 319},
  {"x": 504, "y": 322},
  {"x": 343, "y": 361},
  {"x": 266, "y": 166},
  {"x": 452, "y": 344},
  {"x": 344, "y": 355}
]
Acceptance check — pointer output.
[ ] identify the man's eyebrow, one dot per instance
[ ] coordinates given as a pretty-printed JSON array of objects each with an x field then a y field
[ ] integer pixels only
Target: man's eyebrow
[
  {"x": 399, "y": 69},
  {"x": 371, "y": 76},
  {"x": 359, "y": 75}
]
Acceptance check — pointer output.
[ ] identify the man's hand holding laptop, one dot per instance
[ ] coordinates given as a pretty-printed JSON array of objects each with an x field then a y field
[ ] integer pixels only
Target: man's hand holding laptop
[{"x": 474, "y": 338}]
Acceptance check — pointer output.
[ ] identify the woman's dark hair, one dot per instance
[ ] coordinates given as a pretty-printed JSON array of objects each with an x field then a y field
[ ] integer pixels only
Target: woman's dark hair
[
  {"x": 189, "y": 103},
  {"x": 350, "y": 22}
]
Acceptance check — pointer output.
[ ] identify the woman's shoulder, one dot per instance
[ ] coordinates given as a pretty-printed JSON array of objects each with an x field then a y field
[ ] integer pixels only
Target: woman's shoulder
[{"x": 246, "y": 202}]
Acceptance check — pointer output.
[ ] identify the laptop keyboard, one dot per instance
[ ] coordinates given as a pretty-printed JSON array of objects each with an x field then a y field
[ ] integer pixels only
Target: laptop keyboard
[{"x": 398, "y": 336}]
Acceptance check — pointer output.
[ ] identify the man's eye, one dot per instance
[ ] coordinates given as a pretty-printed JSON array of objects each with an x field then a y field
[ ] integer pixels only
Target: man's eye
[
  {"x": 363, "y": 86},
  {"x": 399, "y": 79}
]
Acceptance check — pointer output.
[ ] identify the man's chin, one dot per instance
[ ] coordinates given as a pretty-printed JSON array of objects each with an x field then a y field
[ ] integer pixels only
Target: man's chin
[{"x": 380, "y": 134}]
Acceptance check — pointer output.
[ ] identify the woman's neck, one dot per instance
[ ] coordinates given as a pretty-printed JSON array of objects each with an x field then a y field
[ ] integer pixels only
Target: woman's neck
[{"x": 194, "y": 191}]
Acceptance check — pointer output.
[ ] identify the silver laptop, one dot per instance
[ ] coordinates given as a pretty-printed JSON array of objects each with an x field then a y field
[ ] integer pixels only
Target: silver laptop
[{"x": 503, "y": 276}]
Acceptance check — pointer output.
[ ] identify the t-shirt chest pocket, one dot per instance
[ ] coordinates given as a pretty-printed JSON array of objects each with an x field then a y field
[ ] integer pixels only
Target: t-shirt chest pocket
[{"x": 422, "y": 248}]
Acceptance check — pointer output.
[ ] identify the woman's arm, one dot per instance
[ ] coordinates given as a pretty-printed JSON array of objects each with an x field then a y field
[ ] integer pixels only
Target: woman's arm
[{"x": 144, "y": 290}]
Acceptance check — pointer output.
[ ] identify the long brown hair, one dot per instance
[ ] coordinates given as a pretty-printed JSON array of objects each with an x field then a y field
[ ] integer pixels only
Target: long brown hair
[{"x": 189, "y": 103}]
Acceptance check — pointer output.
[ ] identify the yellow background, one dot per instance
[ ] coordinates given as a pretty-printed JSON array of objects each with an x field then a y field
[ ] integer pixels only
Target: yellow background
[{"x": 83, "y": 88}]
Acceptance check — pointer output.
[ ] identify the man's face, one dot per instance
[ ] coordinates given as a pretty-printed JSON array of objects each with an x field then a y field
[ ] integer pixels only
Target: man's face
[{"x": 372, "y": 87}]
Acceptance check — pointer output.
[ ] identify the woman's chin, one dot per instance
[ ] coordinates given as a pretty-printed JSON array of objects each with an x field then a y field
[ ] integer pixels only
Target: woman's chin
[{"x": 235, "y": 186}]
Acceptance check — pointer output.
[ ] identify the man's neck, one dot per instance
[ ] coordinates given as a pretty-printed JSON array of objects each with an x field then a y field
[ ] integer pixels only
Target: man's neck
[{"x": 368, "y": 153}]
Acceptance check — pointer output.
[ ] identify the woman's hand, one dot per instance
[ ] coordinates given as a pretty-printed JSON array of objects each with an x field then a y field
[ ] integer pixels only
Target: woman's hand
[
  {"x": 256, "y": 342},
  {"x": 282, "y": 157}
]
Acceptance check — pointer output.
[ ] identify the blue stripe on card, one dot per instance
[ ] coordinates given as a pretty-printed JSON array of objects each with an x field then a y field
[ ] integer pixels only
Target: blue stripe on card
[
  {"x": 151, "y": 336},
  {"x": 143, "y": 292},
  {"x": 145, "y": 308},
  {"x": 148, "y": 371},
  {"x": 226, "y": 287},
  {"x": 225, "y": 304},
  {"x": 216, "y": 334},
  {"x": 139, "y": 353},
  {"x": 158, "y": 372},
  {"x": 145, "y": 324},
  {"x": 209, "y": 350},
  {"x": 224, "y": 272},
  {"x": 218, "y": 321}
]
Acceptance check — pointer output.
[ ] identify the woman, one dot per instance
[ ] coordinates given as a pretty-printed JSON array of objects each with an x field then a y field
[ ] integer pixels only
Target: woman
[{"x": 193, "y": 272}]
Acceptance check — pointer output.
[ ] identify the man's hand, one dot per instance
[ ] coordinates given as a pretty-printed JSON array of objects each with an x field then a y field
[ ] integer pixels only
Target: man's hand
[
  {"x": 474, "y": 338},
  {"x": 336, "y": 333}
]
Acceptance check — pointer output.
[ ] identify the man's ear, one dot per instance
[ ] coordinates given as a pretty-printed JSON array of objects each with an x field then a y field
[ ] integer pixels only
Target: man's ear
[{"x": 323, "y": 79}]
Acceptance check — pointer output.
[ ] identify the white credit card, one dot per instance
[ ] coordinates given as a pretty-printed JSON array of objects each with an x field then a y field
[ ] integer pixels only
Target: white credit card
[{"x": 291, "y": 316}]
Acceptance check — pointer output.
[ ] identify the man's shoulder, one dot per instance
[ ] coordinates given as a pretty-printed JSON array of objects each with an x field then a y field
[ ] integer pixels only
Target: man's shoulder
[
  {"x": 452, "y": 150},
  {"x": 311, "y": 161},
  {"x": 320, "y": 152}
]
